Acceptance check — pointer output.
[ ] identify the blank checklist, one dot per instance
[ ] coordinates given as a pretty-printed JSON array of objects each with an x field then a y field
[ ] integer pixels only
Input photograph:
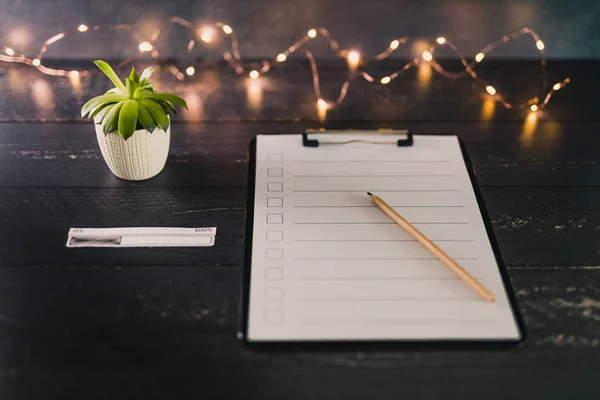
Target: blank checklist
[{"x": 328, "y": 265}]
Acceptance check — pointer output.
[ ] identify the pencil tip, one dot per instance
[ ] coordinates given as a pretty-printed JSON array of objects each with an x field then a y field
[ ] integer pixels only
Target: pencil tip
[{"x": 370, "y": 194}]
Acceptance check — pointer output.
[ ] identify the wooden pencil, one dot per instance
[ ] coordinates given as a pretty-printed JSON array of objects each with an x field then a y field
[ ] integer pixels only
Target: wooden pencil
[{"x": 435, "y": 250}]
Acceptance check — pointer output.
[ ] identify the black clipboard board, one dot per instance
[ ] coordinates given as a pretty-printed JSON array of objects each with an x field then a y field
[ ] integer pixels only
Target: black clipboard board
[{"x": 353, "y": 344}]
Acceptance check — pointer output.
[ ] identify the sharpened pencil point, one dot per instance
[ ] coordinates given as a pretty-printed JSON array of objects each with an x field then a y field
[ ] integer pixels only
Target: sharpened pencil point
[{"x": 370, "y": 194}]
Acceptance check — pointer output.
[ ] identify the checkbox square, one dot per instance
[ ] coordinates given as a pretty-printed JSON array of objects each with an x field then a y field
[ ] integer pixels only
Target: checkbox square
[
  {"x": 275, "y": 172},
  {"x": 273, "y": 316},
  {"x": 274, "y": 218},
  {"x": 274, "y": 254},
  {"x": 275, "y": 202},
  {"x": 274, "y": 236},
  {"x": 274, "y": 274},
  {"x": 275, "y": 187},
  {"x": 275, "y": 157},
  {"x": 274, "y": 295}
]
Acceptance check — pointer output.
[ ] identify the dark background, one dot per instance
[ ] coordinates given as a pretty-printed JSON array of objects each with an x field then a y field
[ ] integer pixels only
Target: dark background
[{"x": 265, "y": 27}]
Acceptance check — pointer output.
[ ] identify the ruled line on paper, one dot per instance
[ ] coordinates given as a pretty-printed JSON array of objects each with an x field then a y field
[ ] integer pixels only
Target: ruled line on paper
[
  {"x": 318, "y": 206},
  {"x": 370, "y": 162},
  {"x": 382, "y": 259},
  {"x": 374, "y": 176},
  {"x": 379, "y": 240},
  {"x": 378, "y": 299},
  {"x": 396, "y": 322},
  {"x": 379, "y": 223},
  {"x": 374, "y": 190},
  {"x": 382, "y": 278}
]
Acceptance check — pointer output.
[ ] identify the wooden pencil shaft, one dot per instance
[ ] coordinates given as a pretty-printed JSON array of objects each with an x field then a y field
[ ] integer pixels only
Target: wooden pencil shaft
[{"x": 434, "y": 249}]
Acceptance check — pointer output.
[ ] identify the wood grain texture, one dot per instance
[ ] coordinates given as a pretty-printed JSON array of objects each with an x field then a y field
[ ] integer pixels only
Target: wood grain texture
[
  {"x": 534, "y": 226},
  {"x": 153, "y": 332},
  {"x": 203, "y": 155}
]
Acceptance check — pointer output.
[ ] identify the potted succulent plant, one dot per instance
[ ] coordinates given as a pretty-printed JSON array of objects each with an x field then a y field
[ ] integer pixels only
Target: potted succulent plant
[{"x": 133, "y": 124}]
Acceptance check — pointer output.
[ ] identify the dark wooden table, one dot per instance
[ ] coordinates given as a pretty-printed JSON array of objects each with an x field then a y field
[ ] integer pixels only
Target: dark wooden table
[{"x": 161, "y": 323}]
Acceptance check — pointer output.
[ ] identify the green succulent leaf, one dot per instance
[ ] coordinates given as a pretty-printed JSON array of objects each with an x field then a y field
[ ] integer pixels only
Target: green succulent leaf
[
  {"x": 167, "y": 107},
  {"x": 140, "y": 92},
  {"x": 110, "y": 73},
  {"x": 99, "y": 117},
  {"x": 171, "y": 98},
  {"x": 161, "y": 118},
  {"x": 111, "y": 120},
  {"x": 111, "y": 99},
  {"x": 146, "y": 119},
  {"x": 131, "y": 86},
  {"x": 97, "y": 101},
  {"x": 146, "y": 75},
  {"x": 134, "y": 75},
  {"x": 128, "y": 118}
]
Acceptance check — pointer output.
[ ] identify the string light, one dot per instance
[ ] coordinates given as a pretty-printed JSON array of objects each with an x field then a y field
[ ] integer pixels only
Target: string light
[
  {"x": 190, "y": 70},
  {"x": 233, "y": 57},
  {"x": 353, "y": 59},
  {"x": 534, "y": 107},
  {"x": 540, "y": 45},
  {"x": 145, "y": 46},
  {"x": 206, "y": 35}
]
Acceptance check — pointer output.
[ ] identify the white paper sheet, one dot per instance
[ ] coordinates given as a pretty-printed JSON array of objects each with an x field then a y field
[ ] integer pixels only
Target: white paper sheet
[{"x": 327, "y": 264}]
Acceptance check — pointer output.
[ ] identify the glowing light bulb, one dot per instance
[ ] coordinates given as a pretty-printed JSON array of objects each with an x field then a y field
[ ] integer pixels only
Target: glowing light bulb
[
  {"x": 312, "y": 33},
  {"x": 82, "y": 28},
  {"x": 441, "y": 40},
  {"x": 427, "y": 56},
  {"x": 479, "y": 57},
  {"x": 353, "y": 59},
  {"x": 9, "y": 51},
  {"x": 556, "y": 86},
  {"x": 534, "y": 107},
  {"x": 145, "y": 46},
  {"x": 206, "y": 35},
  {"x": 385, "y": 80},
  {"x": 322, "y": 104},
  {"x": 491, "y": 90},
  {"x": 190, "y": 70},
  {"x": 281, "y": 57},
  {"x": 74, "y": 74},
  {"x": 36, "y": 62},
  {"x": 540, "y": 45},
  {"x": 227, "y": 29},
  {"x": 394, "y": 45},
  {"x": 254, "y": 74}
]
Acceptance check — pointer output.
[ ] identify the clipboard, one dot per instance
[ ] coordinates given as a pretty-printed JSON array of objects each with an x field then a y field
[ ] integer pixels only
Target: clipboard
[{"x": 313, "y": 139}]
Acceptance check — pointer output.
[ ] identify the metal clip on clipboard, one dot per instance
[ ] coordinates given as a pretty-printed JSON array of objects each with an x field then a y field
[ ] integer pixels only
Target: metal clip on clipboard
[{"x": 379, "y": 137}]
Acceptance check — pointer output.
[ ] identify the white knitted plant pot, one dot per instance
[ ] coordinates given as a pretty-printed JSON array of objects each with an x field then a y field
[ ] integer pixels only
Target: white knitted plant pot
[{"x": 140, "y": 157}]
